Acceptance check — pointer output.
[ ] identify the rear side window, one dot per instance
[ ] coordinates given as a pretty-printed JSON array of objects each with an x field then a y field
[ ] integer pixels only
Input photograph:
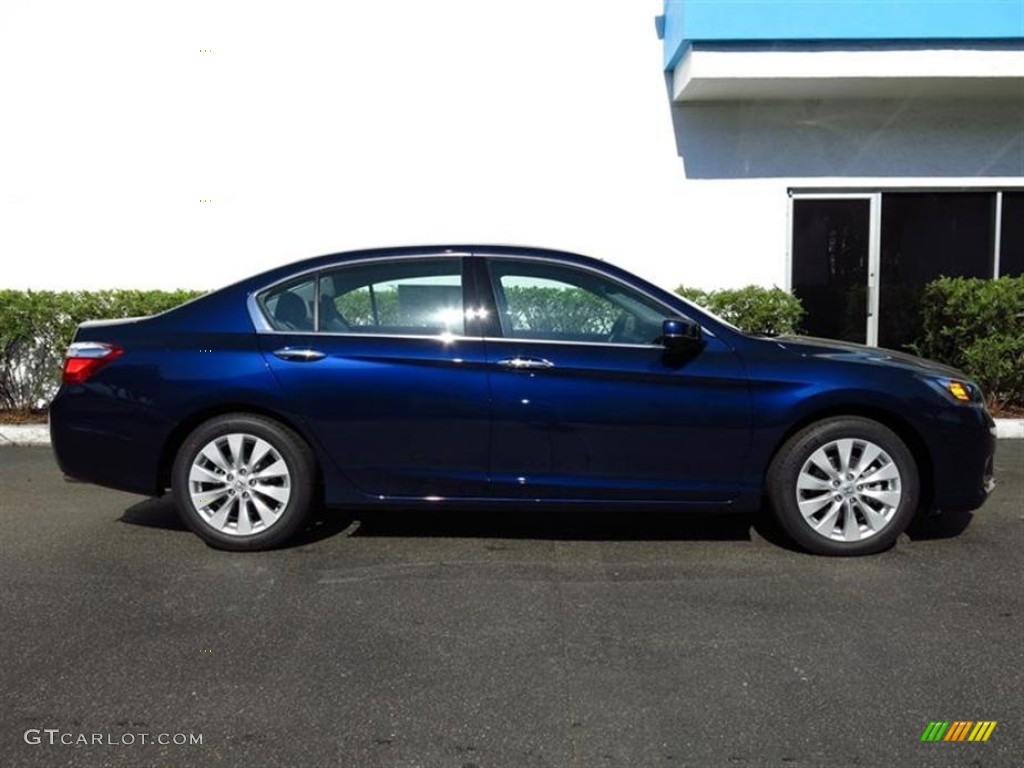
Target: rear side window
[
  {"x": 415, "y": 297},
  {"x": 290, "y": 307}
]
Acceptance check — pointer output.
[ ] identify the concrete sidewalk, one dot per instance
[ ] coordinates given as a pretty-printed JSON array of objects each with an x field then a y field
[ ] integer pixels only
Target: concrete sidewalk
[
  {"x": 39, "y": 434},
  {"x": 24, "y": 434}
]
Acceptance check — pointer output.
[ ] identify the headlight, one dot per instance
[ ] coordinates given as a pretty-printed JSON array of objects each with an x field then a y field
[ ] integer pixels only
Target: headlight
[{"x": 957, "y": 390}]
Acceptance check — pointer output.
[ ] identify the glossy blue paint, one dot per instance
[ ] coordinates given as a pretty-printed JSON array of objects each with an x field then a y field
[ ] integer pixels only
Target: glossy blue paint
[
  {"x": 397, "y": 417},
  {"x": 730, "y": 21},
  {"x": 417, "y": 419},
  {"x": 620, "y": 422}
]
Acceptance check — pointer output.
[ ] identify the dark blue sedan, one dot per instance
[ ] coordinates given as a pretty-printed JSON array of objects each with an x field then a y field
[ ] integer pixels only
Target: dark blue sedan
[{"x": 488, "y": 377}]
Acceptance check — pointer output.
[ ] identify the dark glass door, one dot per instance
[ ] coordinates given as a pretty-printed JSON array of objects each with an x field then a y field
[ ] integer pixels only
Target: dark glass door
[
  {"x": 1011, "y": 254},
  {"x": 831, "y": 265},
  {"x": 926, "y": 235}
]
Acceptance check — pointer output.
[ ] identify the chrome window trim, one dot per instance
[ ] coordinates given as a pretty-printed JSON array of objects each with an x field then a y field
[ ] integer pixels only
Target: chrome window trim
[
  {"x": 563, "y": 342},
  {"x": 263, "y": 326},
  {"x": 442, "y": 337},
  {"x": 449, "y": 338},
  {"x": 459, "y": 337},
  {"x": 259, "y": 320}
]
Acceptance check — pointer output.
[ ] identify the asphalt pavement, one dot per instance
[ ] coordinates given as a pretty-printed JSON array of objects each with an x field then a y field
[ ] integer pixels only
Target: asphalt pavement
[{"x": 580, "y": 639}]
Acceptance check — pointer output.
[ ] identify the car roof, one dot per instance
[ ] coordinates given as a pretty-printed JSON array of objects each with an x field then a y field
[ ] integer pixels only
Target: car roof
[
  {"x": 247, "y": 287},
  {"x": 316, "y": 262}
]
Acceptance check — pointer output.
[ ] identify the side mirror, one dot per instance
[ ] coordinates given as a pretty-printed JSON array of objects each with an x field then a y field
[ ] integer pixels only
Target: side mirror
[{"x": 680, "y": 333}]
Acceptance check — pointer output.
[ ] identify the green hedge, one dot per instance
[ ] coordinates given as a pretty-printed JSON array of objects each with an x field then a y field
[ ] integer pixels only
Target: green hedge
[
  {"x": 36, "y": 328},
  {"x": 978, "y": 326},
  {"x": 535, "y": 308},
  {"x": 762, "y": 311},
  {"x": 972, "y": 324},
  {"x": 555, "y": 310}
]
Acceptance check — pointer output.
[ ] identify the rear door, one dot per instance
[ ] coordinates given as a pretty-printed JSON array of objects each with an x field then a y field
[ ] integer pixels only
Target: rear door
[
  {"x": 586, "y": 403},
  {"x": 380, "y": 359}
]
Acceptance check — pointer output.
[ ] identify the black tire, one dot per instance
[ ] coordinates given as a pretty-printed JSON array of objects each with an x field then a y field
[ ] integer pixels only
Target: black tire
[
  {"x": 288, "y": 515},
  {"x": 858, "y": 500}
]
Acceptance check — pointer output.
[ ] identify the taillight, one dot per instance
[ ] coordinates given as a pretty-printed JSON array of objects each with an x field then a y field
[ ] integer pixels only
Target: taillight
[{"x": 84, "y": 358}]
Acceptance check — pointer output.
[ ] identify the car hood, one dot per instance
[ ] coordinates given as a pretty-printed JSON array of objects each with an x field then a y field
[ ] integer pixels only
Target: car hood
[{"x": 831, "y": 348}]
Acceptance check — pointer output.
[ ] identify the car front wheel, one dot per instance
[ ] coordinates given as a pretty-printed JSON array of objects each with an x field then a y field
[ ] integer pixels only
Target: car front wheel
[
  {"x": 243, "y": 482},
  {"x": 844, "y": 486}
]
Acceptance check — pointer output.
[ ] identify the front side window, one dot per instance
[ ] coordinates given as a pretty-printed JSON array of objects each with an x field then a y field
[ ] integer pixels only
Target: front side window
[
  {"x": 414, "y": 297},
  {"x": 539, "y": 300}
]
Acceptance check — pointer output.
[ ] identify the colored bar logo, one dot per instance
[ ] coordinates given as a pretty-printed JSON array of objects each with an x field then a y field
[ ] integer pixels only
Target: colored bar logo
[{"x": 958, "y": 730}]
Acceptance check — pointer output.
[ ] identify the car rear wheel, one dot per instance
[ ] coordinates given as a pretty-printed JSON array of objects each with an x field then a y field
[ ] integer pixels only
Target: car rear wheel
[
  {"x": 844, "y": 486},
  {"x": 243, "y": 482}
]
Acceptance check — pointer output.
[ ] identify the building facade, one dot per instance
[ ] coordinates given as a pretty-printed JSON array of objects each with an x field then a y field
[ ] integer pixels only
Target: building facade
[{"x": 862, "y": 147}]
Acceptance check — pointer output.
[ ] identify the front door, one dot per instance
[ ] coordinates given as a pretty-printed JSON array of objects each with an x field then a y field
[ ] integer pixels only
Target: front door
[{"x": 587, "y": 406}]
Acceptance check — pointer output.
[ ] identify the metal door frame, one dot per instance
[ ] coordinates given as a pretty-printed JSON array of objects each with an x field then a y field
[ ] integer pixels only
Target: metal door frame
[{"x": 874, "y": 248}]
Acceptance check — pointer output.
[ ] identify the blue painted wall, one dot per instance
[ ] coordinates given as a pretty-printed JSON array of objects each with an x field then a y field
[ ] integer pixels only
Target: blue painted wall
[{"x": 689, "y": 21}]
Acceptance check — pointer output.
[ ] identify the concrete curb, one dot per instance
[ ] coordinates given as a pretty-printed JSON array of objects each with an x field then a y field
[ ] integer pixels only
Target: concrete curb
[
  {"x": 24, "y": 434},
  {"x": 39, "y": 434},
  {"x": 1010, "y": 428}
]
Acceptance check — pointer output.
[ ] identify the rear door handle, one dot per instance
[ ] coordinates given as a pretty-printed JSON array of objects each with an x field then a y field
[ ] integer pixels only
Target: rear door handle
[
  {"x": 299, "y": 355},
  {"x": 525, "y": 363}
]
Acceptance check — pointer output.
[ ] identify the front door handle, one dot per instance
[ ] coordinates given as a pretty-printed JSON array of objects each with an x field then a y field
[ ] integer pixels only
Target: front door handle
[
  {"x": 299, "y": 355},
  {"x": 525, "y": 363}
]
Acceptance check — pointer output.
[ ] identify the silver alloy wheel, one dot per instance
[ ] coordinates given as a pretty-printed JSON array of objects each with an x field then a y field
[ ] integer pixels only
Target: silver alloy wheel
[
  {"x": 848, "y": 490},
  {"x": 239, "y": 484}
]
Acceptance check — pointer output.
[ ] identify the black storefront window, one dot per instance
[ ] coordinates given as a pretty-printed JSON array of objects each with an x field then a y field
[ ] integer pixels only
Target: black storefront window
[
  {"x": 925, "y": 236},
  {"x": 1011, "y": 249}
]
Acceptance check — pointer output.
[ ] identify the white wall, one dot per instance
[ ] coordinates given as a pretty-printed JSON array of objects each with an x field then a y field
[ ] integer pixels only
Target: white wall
[
  {"x": 317, "y": 126},
  {"x": 931, "y": 140},
  {"x": 321, "y": 126}
]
